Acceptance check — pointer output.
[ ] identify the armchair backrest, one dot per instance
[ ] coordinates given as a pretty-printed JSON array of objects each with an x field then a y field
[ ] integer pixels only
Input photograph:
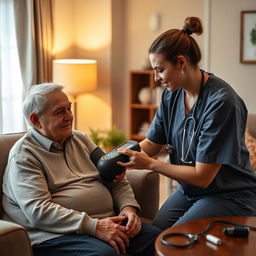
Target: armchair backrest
[{"x": 6, "y": 143}]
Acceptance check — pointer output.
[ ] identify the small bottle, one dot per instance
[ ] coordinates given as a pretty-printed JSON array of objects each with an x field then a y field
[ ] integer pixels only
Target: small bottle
[{"x": 213, "y": 239}]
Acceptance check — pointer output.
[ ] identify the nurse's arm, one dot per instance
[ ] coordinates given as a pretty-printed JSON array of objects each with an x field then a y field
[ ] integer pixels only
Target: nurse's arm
[
  {"x": 201, "y": 175},
  {"x": 150, "y": 148}
]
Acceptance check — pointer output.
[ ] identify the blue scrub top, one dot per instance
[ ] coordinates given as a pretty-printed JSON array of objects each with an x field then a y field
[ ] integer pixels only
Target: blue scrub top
[{"x": 220, "y": 121}]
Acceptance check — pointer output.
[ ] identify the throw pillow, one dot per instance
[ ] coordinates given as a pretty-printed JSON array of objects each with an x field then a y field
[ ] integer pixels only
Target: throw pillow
[{"x": 250, "y": 142}]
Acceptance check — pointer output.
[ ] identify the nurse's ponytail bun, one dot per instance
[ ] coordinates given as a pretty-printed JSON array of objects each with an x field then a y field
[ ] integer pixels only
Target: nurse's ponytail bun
[
  {"x": 192, "y": 25},
  {"x": 175, "y": 42}
]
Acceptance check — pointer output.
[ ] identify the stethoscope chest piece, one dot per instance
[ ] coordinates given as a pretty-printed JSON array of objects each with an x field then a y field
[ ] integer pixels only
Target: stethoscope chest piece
[{"x": 169, "y": 149}]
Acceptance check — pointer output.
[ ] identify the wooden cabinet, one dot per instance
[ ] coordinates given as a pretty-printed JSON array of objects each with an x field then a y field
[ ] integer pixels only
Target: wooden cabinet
[{"x": 142, "y": 107}]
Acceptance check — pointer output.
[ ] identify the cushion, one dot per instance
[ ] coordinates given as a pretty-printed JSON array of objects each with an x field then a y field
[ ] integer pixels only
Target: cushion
[{"x": 250, "y": 142}]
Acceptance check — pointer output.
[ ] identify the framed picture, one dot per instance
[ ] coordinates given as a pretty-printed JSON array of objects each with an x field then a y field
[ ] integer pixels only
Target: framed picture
[{"x": 248, "y": 37}]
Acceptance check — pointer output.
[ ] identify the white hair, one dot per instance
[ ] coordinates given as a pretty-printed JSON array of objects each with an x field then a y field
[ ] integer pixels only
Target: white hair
[{"x": 35, "y": 101}]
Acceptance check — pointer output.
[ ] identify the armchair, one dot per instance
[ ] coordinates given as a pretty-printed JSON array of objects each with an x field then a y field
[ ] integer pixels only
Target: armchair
[{"x": 14, "y": 239}]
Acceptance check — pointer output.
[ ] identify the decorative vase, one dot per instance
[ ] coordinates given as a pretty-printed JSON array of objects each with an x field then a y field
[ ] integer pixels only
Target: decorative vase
[{"x": 144, "y": 95}]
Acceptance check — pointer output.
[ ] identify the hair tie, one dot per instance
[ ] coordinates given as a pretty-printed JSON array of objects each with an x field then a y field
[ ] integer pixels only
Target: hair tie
[{"x": 187, "y": 30}]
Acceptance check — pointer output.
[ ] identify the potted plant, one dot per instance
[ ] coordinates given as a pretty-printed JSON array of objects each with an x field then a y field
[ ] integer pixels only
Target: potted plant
[{"x": 108, "y": 139}]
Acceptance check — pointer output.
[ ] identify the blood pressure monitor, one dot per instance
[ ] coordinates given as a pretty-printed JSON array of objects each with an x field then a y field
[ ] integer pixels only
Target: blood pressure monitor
[{"x": 107, "y": 166}]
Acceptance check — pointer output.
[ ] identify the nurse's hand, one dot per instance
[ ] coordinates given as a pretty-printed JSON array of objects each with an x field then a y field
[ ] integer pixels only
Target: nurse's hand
[{"x": 138, "y": 160}]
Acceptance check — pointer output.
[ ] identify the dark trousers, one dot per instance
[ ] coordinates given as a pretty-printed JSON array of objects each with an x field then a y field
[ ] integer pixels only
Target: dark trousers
[
  {"x": 179, "y": 208},
  {"x": 84, "y": 245}
]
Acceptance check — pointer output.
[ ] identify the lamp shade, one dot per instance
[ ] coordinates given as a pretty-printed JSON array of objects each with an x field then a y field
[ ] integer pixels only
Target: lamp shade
[{"x": 76, "y": 75}]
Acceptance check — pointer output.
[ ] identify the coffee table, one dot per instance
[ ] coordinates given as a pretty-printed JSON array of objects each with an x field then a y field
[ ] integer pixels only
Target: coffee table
[{"x": 231, "y": 246}]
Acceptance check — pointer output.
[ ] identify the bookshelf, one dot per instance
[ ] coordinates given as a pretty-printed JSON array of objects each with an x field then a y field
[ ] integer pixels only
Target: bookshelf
[{"x": 142, "y": 112}]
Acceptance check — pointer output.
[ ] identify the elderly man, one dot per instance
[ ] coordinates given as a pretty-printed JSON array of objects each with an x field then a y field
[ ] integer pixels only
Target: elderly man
[{"x": 52, "y": 188}]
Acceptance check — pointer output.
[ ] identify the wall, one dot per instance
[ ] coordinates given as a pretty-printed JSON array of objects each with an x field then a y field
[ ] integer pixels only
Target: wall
[
  {"x": 224, "y": 48},
  {"x": 64, "y": 29},
  {"x": 117, "y": 63},
  {"x": 82, "y": 29}
]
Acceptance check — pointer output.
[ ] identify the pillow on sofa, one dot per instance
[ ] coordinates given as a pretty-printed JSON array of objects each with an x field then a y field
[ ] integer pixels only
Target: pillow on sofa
[{"x": 250, "y": 142}]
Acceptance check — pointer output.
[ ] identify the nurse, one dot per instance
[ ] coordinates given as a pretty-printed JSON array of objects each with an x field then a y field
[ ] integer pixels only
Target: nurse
[{"x": 201, "y": 122}]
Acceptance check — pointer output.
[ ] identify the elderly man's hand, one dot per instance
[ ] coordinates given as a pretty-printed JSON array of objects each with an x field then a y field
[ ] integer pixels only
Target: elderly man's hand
[
  {"x": 110, "y": 231},
  {"x": 133, "y": 225},
  {"x": 119, "y": 178}
]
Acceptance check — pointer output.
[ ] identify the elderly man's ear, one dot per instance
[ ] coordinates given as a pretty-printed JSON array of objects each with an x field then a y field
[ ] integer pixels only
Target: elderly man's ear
[{"x": 34, "y": 120}]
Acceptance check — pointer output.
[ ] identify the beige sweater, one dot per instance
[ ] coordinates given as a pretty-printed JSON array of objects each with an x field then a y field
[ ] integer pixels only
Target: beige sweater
[{"x": 52, "y": 192}]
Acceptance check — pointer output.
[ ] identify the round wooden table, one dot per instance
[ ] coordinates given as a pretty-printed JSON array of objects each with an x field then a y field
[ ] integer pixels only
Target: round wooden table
[{"x": 231, "y": 246}]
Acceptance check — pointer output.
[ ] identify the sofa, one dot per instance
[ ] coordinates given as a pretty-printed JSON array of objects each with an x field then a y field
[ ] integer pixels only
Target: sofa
[{"x": 14, "y": 239}]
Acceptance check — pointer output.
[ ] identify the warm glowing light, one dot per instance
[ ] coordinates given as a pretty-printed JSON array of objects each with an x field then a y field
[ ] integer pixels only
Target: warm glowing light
[
  {"x": 93, "y": 112},
  {"x": 93, "y": 31},
  {"x": 75, "y": 61},
  {"x": 76, "y": 75}
]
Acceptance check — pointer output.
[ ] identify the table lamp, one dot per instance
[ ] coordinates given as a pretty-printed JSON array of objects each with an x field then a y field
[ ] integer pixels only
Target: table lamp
[{"x": 77, "y": 76}]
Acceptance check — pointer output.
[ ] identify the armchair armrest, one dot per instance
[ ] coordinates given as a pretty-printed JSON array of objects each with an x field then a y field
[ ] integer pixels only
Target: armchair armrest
[
  {"x": 14, "y": 240},
  {"x": 145, "y": 185}
]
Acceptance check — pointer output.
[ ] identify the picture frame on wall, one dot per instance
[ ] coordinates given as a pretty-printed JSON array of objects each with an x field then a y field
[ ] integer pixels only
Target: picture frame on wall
[{"x": 248, "y": 37}]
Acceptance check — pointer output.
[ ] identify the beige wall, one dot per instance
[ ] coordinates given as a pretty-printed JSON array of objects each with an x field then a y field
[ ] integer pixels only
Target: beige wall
[
  {"x": 138, "y": 33},
  {"x": 64, "y": 29},
  {"x": 224, "y": 48}
]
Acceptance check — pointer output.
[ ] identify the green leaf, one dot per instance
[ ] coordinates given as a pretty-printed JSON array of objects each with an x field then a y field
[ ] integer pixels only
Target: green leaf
[
  {"x": 253, "y": 35},
  {"x": 107, "y": 138}
]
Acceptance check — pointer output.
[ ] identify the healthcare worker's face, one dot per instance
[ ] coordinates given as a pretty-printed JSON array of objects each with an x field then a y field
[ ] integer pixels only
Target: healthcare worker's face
[
  {"x": 168, "y": 74},
  {"x": 56, "y": 120}
]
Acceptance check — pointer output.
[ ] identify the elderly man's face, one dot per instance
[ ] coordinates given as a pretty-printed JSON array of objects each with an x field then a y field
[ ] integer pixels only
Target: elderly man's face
[{"x": 55, "y": 122}]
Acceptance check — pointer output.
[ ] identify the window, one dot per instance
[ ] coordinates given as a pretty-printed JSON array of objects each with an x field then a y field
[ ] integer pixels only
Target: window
[{"x": 11, "y": 118}]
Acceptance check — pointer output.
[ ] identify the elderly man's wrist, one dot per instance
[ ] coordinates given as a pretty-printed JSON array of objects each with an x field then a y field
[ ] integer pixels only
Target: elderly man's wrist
[{"x": 130, "y": 208}]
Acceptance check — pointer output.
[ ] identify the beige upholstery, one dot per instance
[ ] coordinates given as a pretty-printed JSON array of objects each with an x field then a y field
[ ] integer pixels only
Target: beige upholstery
[{"x": 14, "y": 240}]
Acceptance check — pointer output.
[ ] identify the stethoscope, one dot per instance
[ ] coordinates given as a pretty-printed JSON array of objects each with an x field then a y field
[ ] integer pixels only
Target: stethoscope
[
  {"x": 191, "y": 119},
  {"x": 237, "y": 230}
]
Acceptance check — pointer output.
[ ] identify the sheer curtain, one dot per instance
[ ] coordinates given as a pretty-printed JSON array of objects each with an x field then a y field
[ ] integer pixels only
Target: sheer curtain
[
  {"x": 25, "y": 55},
  {"x": 10, "y": 75},
  {"x": 33, "y": 21}
]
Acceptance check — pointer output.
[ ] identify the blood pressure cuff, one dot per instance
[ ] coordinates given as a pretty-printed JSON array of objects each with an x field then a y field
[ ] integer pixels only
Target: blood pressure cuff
[{"x": 96, "y": 154}]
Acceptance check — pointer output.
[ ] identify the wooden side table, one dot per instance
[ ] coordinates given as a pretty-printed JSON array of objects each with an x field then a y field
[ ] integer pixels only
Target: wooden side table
[{"x": 231, "y": 246}]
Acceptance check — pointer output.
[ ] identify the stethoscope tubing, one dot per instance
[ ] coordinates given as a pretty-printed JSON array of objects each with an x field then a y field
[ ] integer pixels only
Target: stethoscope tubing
[{"x": 184, "y": 154}]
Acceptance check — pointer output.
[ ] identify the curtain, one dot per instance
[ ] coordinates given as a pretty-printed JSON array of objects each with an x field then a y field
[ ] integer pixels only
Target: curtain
[
  {"x": 11, "y": 119},
  {"x": 34, "y": 26},
  {"x": 25, "y": 55},
  {"x": 43, "y": 39}
]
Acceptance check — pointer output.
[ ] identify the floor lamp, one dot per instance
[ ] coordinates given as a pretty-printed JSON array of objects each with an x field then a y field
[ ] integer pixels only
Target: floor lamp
[{"x": 77, "y": 76}]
